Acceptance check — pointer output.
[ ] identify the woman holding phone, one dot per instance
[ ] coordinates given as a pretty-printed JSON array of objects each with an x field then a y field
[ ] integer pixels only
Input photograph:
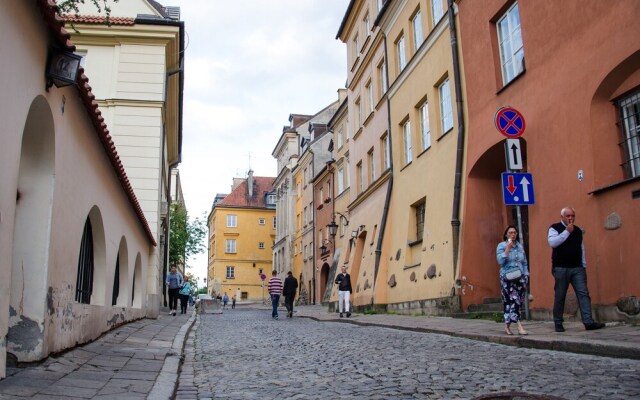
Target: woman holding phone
[{"x": 514, "y": 277}]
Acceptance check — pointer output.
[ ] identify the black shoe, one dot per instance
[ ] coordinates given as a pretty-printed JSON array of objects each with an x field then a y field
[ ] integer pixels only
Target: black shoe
[
  {"x": 348, "y": 314},
  {"x": 340, "y": 315},
  {"x": 559, "y": 328},
  {"x": 593, "y": 326}
]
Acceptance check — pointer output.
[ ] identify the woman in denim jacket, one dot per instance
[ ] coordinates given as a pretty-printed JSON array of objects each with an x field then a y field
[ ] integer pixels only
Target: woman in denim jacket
[{"x": 511, "y": 258}]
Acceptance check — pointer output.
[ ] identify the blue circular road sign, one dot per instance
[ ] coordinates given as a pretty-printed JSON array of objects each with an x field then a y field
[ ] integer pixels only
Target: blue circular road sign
[{"x": 509, "y": 122}]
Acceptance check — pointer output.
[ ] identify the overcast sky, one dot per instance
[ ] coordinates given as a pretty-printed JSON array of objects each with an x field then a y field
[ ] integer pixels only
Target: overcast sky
[{"x": 248, "y": 65}]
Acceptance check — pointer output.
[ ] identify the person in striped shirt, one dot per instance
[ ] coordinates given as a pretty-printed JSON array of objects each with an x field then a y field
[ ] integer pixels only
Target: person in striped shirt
[{"x": 275, "y": 290}]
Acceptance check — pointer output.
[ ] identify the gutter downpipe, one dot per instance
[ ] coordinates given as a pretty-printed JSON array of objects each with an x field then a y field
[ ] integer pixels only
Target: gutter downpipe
[
  {"x": 455, "y": 217},
  {"x": 387, "y": 200}
]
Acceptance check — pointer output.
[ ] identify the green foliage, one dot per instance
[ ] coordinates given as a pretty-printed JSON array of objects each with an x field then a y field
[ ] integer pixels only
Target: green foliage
[
  {"x": 186, "y": 238},
  {"x": 67, "y": 6},
  {"x": 202, "y": 290}
]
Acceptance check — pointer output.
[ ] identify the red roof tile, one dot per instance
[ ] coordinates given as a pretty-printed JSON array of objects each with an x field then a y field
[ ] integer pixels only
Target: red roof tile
[
  {"x": 98, "y": 19},
  {"x": 55, "y": 23},
  {"x": 239, "y": 197}
]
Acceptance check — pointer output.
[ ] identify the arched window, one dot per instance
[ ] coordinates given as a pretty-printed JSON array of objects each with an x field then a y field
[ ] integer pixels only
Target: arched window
[
  {"x": 116, "y": 283},
  {"x": 84, "y": 281}
]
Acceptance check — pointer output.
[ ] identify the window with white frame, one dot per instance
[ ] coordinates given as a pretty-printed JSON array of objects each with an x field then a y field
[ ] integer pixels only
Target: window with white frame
[
  {"x": 371, "y": 168},
  {"x": 340, "y": 138},
  {"x": 261, "y": 245},
  {"x": 340, "y": 179},
  {"x": 417, "y": 30},
  {"x": 385, "y": 152},
  {"x": 232, "y": 221},
  {"x": 230, "y": 246},
  {"x": 304, "y": 177},
  {"x": 367, "y": 25},
  {"x": 402, "y": 58},
  {"x": 274, "y": 222},
  {"x": 446, "y": 110},
  {"x": 437, "y": 11},
  {"x": 360, "y": 177},
  {"x": 510, "y": 44},
  {"x": 261, "y": 221},
  {"x": 305, "y": 216},
  {"x": 630, "y": 117},
  {"x": 370, "y": 96},
  {"x": 406, "y": 138},
  {"x": 382, "y": 77},
  {"x": 356, "y": 46},
  {"x": 231, "y": 272},
  {"x": 358, "y": 113},
  {"x": 425, "y": 131}
]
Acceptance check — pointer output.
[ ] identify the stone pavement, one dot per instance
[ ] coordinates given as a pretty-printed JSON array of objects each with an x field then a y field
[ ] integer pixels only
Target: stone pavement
[
  {"x": 138, "y": 360},
  {"x": 142, "y": 359}
]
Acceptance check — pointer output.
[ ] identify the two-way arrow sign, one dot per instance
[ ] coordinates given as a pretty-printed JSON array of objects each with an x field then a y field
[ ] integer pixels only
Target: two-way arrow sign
[{"x": 517, "y": 189}]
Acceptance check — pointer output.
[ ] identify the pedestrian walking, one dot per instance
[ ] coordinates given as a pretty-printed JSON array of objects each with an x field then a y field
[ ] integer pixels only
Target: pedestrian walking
[
  {"x": 233, "y": 302},
  {"x": 225, "y": 300},
  {"x": 184, "y": 295},
  {"x": 289, "y": 292},
  {"x": 514, "y": 277},
  {"x": 569, "y": 266},
  {"x": 343, "y": 281},
  {"x": 275, "y": 289},
  {"x": 174, "y": 283}
]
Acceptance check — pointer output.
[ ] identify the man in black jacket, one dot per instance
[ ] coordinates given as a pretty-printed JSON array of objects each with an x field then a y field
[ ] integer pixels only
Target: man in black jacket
[
  {"x": 289, "y": 292},
  {"x": 343, "y": 281}
]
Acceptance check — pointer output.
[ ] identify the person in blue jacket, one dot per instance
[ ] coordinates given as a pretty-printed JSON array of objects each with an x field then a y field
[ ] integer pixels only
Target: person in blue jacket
[
  {"x": 185, "y": 293},
  {"x": 514, "y": 277}
]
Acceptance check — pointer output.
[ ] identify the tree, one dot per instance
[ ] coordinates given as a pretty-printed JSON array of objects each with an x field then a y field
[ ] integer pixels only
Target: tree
[
  {"x": 67, "y": 6},
  {"x": 185, "y": 238}
]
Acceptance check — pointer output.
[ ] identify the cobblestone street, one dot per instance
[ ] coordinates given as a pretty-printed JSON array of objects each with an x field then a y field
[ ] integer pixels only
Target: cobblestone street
[{"x": 244, "y": 354}]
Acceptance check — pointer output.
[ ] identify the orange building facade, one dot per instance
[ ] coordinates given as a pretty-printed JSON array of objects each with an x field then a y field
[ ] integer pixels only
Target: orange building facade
[{"x": 579, "y": 92}]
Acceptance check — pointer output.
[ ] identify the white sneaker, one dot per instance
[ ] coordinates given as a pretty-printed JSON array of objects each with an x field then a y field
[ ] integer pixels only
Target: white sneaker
[{"x": 170, "y": 312}]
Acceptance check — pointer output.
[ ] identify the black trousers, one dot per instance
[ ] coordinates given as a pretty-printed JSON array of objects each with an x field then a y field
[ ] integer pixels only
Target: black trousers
[
  {"x": 173, "y": 298},
  {"x": 288, "y": 302}
]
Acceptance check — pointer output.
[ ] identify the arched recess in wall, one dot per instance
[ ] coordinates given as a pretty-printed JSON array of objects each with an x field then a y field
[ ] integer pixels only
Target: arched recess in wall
[
  {"x": 136, "y": 282},
  {"x": 121, "y": 280},
  {"x": 609, "y": 147},
  {"x": 90, "y": 280},
  {"x": 324, "y": 278},
  {"x": 32, "y": 233}
]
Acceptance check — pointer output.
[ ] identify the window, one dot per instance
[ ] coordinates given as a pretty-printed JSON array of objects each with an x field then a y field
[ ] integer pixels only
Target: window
[
  {"x": 231, "y": 272},
  {"x": 356, "y": 46},
  {"x": 360, "y": 177},
  {"x": 370, "y": 96},
  {"x": 304, "y": 177},
  {"x": 232, "y": 221},
  {"x": 84, "y": 280},
  {"x": 417, "y": 30},
  {"x": 382, "y": 77},
  {"x": 406, "y": 137},
  {"x": 630, "y": 115},
  {"x": 340, "y": 138},
  {"x": 380, "y": 4},
  {"x": 385, "y": 149},
  {"x": 446, "y": 112},
  {"x": 274, "y": 222},
  {"x": 340, "y": 179},
  {"x": 510, "y": 44},
  {"x": 359, "y": 113},
  {"x": 231, "y": 246},
  {"x": 305, "y": 216},
  {"x": 425, "y": 131},
  {"x": 419, "y": 210},
  {"x": 367, "y": 25},
  {"x": 261, "y": 245},
  {"x": 402, "y": 59},
  {"x": 261, "y": 221},
  {"x": 437, "y": 11},
  {"x": 371, "y": 167},
  {"x": 271, "y": 199}
]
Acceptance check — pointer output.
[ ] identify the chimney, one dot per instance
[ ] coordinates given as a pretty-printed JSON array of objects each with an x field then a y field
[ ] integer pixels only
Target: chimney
[{"x": 250, "y": 183}]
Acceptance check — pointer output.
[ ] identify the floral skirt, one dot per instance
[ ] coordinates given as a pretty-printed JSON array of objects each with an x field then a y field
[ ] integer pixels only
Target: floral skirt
[{"x": 513, "y": 297}]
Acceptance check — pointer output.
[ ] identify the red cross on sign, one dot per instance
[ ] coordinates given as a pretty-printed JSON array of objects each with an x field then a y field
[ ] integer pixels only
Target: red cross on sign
[{"x": 509, "y": 122}]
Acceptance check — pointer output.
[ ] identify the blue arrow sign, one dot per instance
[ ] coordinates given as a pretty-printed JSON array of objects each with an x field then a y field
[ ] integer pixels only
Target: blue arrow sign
[{"x": 517, "y": 189}]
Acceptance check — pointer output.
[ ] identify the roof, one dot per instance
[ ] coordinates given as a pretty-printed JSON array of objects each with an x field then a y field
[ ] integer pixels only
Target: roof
[
  {"x": 62, "y": 37},
  {"x": 239, "y": 196},
  {"x": 98, "y": 19}
]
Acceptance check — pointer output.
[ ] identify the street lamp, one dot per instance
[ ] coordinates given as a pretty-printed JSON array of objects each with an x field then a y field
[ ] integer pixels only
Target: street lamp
[{"x": 62, "y": 68}]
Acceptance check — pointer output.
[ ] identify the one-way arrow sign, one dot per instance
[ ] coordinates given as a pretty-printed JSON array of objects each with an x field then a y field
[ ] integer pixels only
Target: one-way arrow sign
[
  {"x": 514, "y": 154},
  {"x": 517, "y": 189}
]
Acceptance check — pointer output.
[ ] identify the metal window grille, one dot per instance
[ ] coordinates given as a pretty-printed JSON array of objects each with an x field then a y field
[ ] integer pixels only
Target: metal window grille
[
  {"x": 116, "y": 283},
  {"x": 630, "y": 123},
  {"x": 84, "y": 280}
]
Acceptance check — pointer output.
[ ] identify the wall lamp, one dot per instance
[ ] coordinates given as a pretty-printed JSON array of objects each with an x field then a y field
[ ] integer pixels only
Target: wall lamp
[
  {"x": 62, "y": 68},
  {"x": 323, "y": 247},
  {"x": 333, "y": 227}
]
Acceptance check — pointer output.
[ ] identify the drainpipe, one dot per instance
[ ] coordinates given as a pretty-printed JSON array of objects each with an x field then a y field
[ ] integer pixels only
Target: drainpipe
[
  {"x": 387, "y": 200},
  {"x": 455, "y": 217}
]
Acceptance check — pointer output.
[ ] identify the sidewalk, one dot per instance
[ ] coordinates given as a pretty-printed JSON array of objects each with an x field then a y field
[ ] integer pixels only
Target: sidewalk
[
  {"x": 615, "y": 340},
  {"x": 141, "y": 359},
  {"x": 138, "y": 360}
]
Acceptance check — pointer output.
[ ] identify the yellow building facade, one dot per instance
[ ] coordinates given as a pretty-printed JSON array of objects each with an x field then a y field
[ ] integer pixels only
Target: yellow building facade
[{"x": 241, "y": 235}]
